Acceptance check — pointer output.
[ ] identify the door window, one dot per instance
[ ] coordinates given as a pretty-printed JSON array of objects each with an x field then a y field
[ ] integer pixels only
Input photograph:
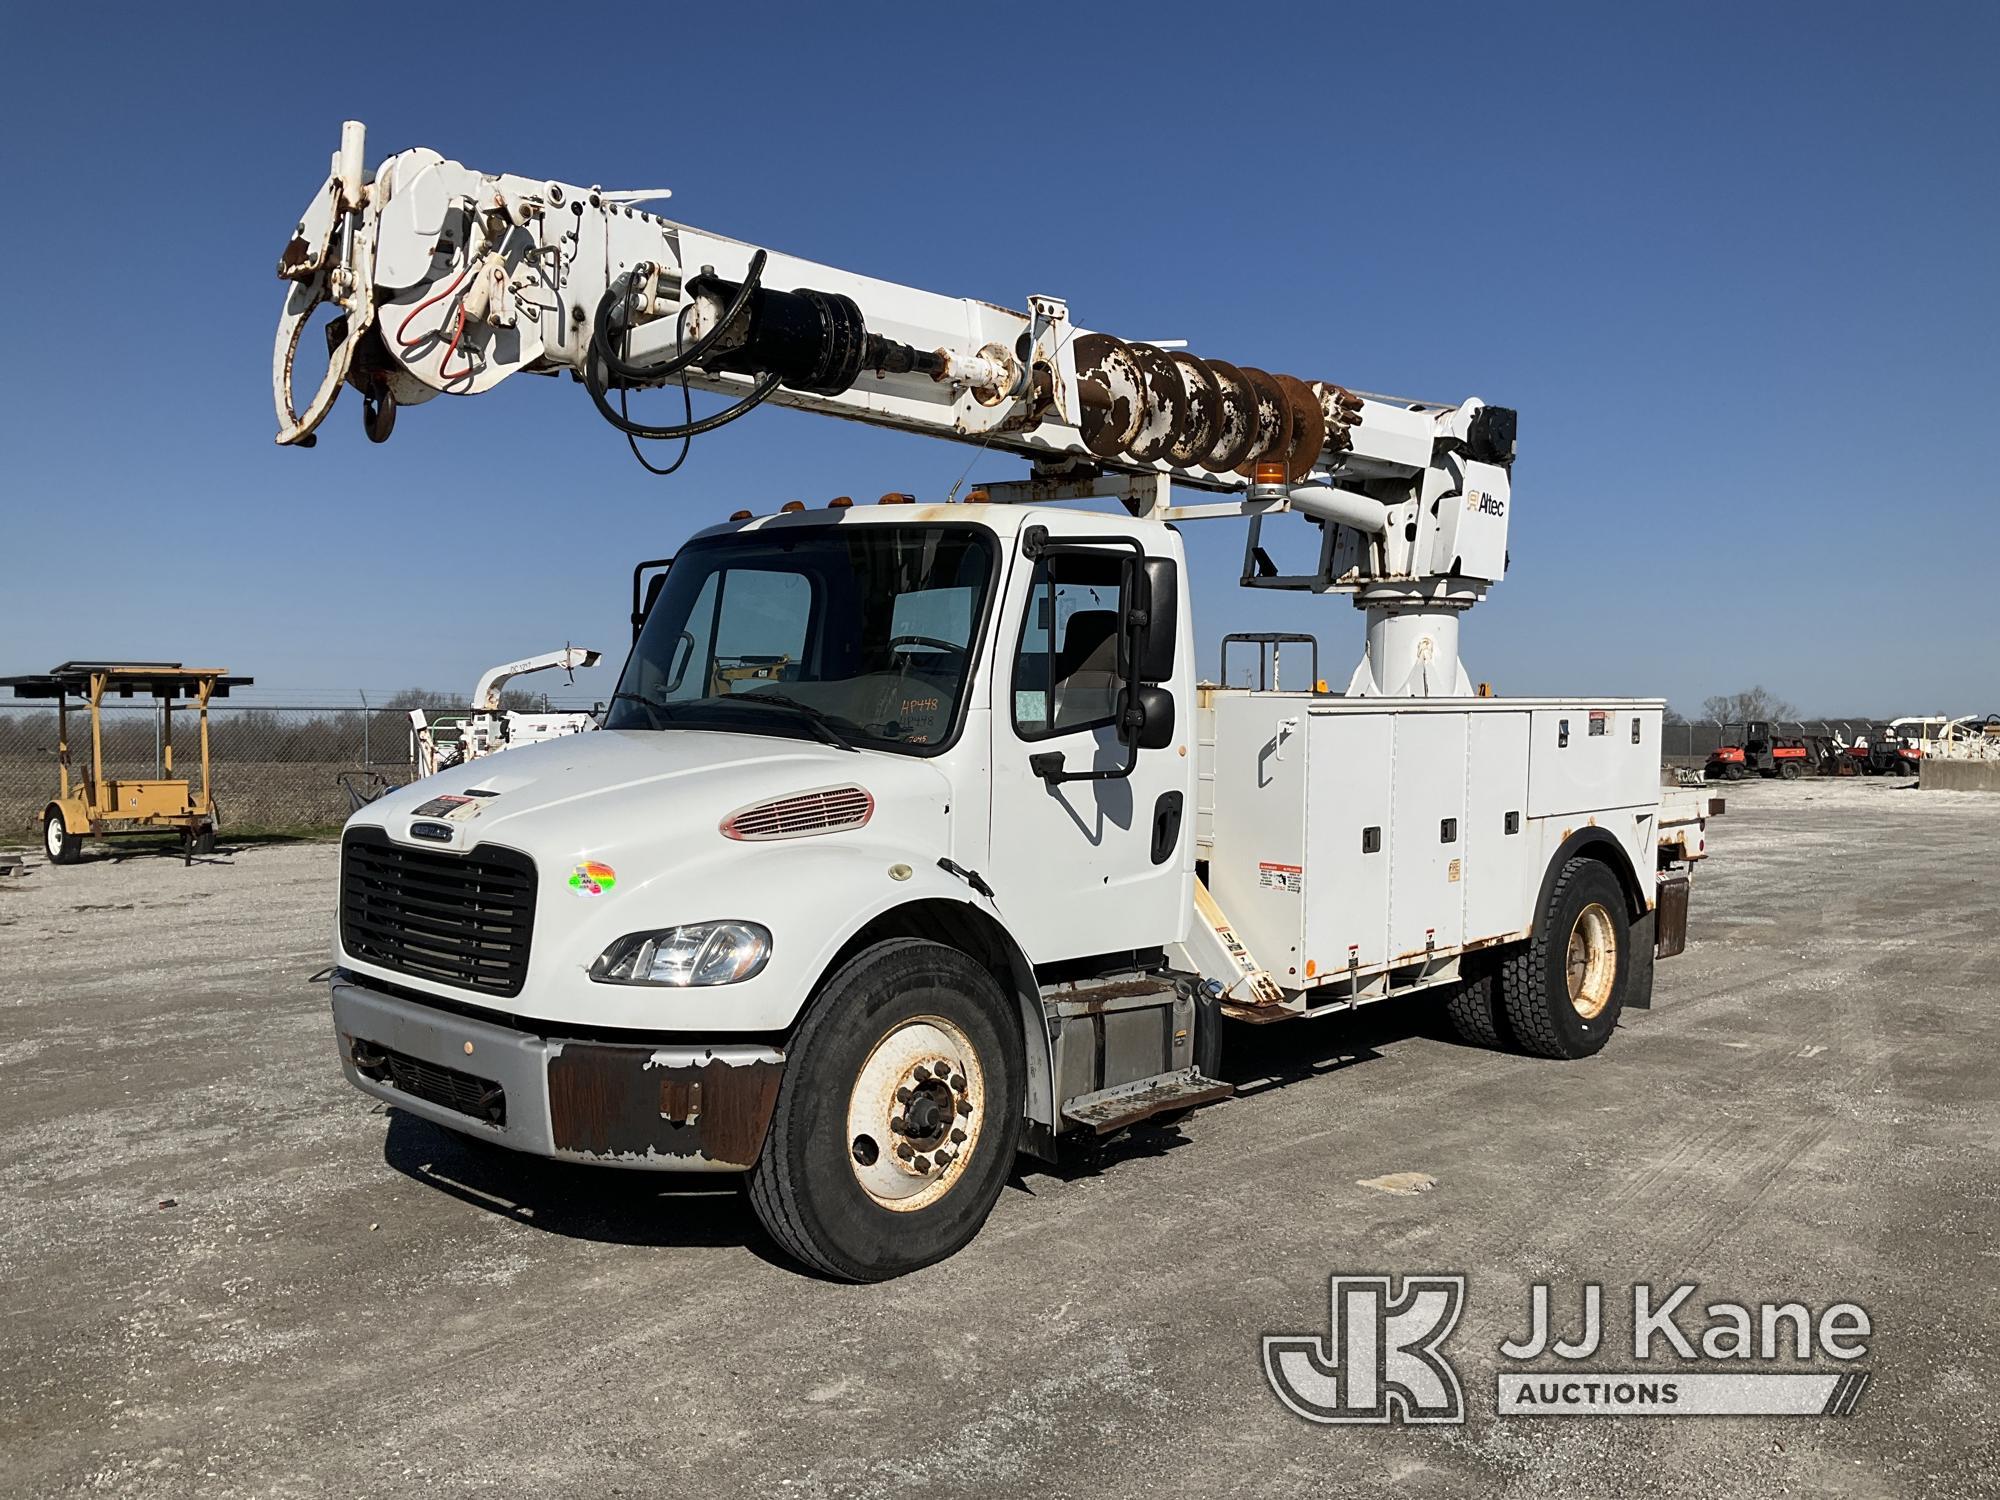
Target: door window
[{"x": 1068, "y": 668}]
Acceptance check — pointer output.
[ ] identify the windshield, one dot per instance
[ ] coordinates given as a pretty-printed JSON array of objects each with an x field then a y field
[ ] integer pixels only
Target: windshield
[{"x": 856, "y": 634}]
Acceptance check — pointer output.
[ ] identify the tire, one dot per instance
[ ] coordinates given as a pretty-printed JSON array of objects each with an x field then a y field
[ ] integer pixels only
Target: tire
[
  {"x": 1557, "y": 1006},
  {"x": 1474, "y": 1008},
  {"x": 1789, "y": 770},
  {"x": 832, "y": 1163},
  {"x": 202, "y": 840},
  {"x": 61, "y": 846}
]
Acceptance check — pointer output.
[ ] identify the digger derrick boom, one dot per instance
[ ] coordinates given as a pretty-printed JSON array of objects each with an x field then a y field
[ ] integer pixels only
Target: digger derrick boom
[{"x": 447, "y": 281}]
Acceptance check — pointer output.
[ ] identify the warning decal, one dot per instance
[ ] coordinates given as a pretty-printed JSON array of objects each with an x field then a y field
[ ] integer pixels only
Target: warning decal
[
  {"x": 1282, "y": 878},
  {"x": 456, "y": 809}
]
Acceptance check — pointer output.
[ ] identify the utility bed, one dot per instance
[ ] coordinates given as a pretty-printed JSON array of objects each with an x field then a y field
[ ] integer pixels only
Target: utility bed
[{"x": 1364, "y": 844}]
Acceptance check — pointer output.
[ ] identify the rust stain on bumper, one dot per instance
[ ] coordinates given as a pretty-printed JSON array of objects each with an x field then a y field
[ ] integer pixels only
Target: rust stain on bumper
[{"x": 612, "y": 1101}]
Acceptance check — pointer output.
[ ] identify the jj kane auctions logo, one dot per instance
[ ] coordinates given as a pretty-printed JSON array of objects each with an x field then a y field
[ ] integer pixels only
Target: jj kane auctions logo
[{"x": 1383, "y": 1358}]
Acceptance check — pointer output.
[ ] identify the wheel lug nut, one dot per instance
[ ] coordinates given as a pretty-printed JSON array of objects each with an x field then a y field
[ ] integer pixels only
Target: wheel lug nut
[
  {"x": 959, "y": 1083},
  {"x": 965, "y": 1106},
  {"x": 922, "y": 1075},
  {"x": 958, "y": 1137},
  {"x": 903, "y": 1150},
  {"x": 900, "y": 1125},
  {"x": 904, "y": 1096},
  {"x": 943, "y": 1159},
  {"x": 922, "y": 1164}
]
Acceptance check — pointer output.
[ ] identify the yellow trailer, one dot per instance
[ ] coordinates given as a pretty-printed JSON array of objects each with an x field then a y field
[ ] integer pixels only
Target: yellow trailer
[{"x": 93, "y": 803}]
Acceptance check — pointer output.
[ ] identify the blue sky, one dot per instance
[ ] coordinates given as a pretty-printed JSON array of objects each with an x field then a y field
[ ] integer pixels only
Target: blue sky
[{"x": 1735, "y": 265}]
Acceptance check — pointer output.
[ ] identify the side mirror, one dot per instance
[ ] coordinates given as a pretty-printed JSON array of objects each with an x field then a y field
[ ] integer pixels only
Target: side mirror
[
  {"x": 1159, "y": 595},
  {"x": 1148, "y": 723},
  {"x": 642, "y": 605}
]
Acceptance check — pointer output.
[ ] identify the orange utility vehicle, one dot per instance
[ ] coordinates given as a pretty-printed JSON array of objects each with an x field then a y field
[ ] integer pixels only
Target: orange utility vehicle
[{"x": 1761, "y": 753}]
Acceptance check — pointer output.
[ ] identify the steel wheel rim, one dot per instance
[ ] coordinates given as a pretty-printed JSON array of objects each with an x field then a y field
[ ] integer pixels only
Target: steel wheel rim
[
  {"x": 53, "y": 837},
  {"x": 1591, "y": 962},
  {"x": 915, "y": 1113}
]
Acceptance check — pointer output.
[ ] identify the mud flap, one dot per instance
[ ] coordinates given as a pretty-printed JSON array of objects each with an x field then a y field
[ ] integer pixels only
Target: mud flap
[
  {"x": 1671, "y": 911},
  {"x": 1639, "y": 983}
]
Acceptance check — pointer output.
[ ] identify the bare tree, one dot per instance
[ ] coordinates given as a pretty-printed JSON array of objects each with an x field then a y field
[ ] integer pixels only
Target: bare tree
[
  {"x": 1751, "y": 704},
  {"x": 1672, "y": 717},
  {"x": 517, "y": 700}
]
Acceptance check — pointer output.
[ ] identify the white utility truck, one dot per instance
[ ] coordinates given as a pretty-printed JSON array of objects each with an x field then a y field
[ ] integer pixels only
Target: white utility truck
[
  {"x": 911, "y": 839},
  {"x": 441, "y": 741}
]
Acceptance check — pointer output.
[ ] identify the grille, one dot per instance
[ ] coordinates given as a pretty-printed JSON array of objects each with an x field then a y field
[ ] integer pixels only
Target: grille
[
  {"x": 462, "y": 919},
  {"x": 792, "y": 817},
  {"x": 481, "y": 1098}
]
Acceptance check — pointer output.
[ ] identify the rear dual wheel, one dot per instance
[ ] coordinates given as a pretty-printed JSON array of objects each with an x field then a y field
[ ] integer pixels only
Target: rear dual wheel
[
  {"x": 899, "y": 1115},
  {"x": 1563, "y": 990}
]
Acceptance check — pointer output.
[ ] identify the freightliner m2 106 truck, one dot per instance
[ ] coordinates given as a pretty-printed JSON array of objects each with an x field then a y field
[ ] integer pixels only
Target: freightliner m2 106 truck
[{"x": 912, "y": 839}]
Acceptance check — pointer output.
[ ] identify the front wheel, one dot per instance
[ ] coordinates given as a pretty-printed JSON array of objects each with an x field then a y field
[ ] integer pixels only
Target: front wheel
[
  {"x": 62, "y": 846},
  {"x": 899, "y": 1115},
  {"x": 1564, "y": 988}
]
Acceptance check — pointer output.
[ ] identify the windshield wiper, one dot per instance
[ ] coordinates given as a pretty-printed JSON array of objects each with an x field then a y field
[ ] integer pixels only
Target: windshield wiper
[
  {"x": 653, "y": 710},
  {"x": 820, "y": 721}
]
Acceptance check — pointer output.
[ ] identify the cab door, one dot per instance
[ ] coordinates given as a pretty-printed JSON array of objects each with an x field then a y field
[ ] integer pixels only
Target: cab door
[{"x": 1101, "y": 866}]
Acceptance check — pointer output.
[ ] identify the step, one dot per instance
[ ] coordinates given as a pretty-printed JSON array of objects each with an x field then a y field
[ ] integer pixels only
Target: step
[{"x": 1114, "y": 1109}]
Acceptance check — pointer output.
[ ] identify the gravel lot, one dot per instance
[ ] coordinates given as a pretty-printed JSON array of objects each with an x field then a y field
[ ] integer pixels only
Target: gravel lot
[{"x": 222, "y": 1272}]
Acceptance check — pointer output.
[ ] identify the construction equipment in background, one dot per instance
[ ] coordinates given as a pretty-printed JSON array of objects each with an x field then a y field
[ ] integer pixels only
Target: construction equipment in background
[
  {"x": 1897, "y": 747},
  {"x": 94, "y": 804},
  {"x": 1833, "y": 756},
  {"x": 444, "y": 740},
  {"x": 1761, "y": 752},
  {"x": 1974, "y": 737}
]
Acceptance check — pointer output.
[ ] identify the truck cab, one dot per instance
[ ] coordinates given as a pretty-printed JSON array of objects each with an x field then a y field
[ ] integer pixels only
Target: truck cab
[{"x": 886, "y": 864}]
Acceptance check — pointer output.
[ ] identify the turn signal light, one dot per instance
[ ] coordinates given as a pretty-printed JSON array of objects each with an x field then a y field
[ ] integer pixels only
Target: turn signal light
[
  {"x": 792, "y": 507},
  {"x": 895, "y": 498},
  {"x": 740, "y": 515},
  {"x": 840, "y": 502},
  {"x": 1269, "y": 471}
]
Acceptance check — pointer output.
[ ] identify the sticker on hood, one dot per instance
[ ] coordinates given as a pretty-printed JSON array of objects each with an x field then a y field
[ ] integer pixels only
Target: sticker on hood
[
  {"x": 592, "y": 879},
  {"x": 451, "y": 807}
]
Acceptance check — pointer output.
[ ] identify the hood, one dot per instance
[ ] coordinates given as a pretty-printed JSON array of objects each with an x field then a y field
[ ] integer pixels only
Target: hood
[{"x": 600, "y": 787}]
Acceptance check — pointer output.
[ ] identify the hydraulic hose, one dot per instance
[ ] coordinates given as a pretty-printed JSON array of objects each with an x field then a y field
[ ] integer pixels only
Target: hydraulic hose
[{"x": 600, "y": 331}]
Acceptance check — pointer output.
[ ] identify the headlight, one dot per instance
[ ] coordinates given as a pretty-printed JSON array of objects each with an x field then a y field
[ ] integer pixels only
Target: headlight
[{"x": 701, "y": 953}]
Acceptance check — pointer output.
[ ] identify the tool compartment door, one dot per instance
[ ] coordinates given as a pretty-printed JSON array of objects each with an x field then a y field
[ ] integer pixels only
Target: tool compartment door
[
  {"x": 1347, "y": 866},
  {"x": 1501, "y": 879},
  {"x": 1427, "y": 861},
  {"x": 1589, "y": 757}
]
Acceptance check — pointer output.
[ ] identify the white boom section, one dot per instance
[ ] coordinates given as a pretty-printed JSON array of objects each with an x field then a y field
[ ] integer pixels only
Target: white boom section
[
  {"x": 486, "y": 696},
  {"x": 448, "y": 280}
]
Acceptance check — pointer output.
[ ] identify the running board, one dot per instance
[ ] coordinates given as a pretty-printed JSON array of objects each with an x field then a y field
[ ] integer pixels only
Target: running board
[{"x": 1114, "y": 1109}]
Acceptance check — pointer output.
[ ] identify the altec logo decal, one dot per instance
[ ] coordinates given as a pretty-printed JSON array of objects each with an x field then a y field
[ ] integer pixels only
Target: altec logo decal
[
  {"x": 592, "y": 879},
  {"x": 1485, "y": 504}
]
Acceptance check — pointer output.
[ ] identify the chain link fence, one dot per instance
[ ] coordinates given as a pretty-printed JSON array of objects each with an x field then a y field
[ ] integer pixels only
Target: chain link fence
[
  {"x": 1691, "y": 742},
  {"x": 272, "y": 769}
]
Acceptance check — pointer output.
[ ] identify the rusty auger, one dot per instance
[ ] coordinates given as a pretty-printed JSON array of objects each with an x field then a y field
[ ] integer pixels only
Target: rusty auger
[{"x": 1145, "y": 405}]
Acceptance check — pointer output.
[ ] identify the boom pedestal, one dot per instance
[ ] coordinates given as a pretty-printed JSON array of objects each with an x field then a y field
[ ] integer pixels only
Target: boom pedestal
[{"x": 1413, "y": 641}]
